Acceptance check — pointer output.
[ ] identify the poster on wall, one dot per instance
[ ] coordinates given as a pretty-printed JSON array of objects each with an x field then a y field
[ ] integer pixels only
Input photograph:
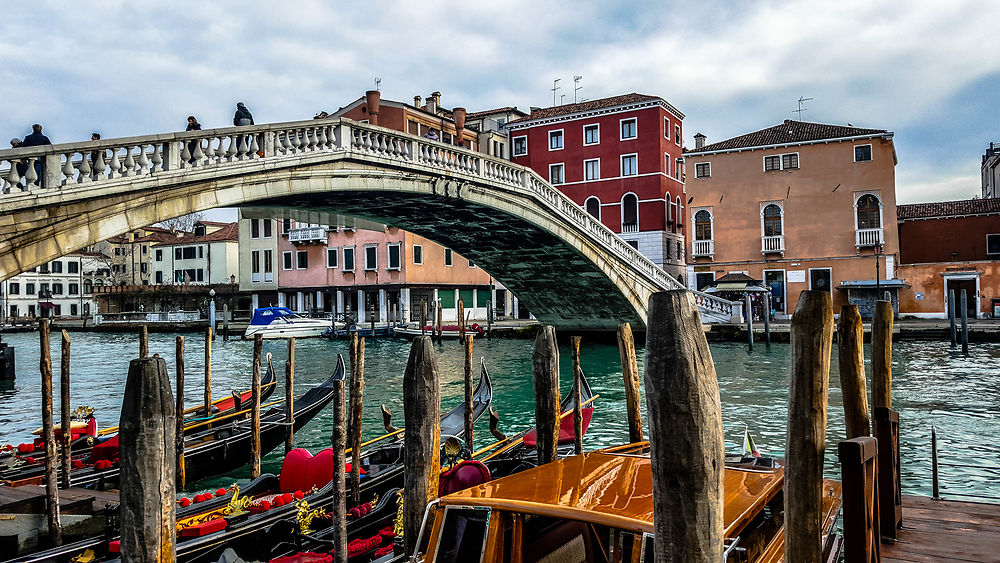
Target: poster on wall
[{"x": 796, "y": 276}]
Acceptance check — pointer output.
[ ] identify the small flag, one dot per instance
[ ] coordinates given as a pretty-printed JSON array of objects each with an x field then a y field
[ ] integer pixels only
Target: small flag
[{"x": 749, "y": 446}]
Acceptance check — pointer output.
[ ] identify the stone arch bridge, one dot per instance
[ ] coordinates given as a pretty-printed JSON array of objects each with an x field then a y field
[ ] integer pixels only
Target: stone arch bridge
[{"x": 568, "y": 268}]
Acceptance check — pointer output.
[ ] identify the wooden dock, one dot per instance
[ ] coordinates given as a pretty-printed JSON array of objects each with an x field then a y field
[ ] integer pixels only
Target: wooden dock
[
  {"x": 30, "y": 499},
  {"x": 945, "y": 530}
]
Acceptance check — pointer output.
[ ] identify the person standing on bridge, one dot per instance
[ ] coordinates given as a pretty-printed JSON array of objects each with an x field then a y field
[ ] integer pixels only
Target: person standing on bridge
[
  {"x": 243, "y": 116},
  {"x": 192, "y": 125},
  {"x": 35, "y": 139}
]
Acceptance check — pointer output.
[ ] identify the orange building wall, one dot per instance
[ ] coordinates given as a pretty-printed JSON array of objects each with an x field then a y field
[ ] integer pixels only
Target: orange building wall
[
  {"x": 929, "y": 279},
  {"x": 433, "y": 271}
]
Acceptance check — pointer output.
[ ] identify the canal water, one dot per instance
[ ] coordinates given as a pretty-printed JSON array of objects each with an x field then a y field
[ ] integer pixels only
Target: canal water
[{"x": 933, "y": 386}]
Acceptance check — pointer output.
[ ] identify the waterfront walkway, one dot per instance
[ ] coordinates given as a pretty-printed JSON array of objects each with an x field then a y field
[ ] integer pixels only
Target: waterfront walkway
[{"x": 944, "y": 530}]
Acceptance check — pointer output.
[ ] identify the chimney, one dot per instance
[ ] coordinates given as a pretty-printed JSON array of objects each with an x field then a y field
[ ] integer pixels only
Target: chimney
[
  {"x": 459, "y": 115},
  {"x": 431, "y": 106},
  {"x": 416, "y": 101},
  {"x": 374, "y": 100},
  {"x": 699, "y": 140}
]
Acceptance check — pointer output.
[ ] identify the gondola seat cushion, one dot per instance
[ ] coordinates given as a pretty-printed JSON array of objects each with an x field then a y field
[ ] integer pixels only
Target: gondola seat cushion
[
  {"x": 565, "y": 429},
  {"x": 307, "y": 557},
  {"x": 106, "y": 450},
  {"x": 301, "y": 471},
  {"x": 467, "y": 473},
  {"x": 210, "y": 527}
]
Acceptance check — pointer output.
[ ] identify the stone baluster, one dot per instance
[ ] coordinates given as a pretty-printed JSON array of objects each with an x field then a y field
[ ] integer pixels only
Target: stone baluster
[
  {"x": 242, "y": 148},
  {"x": 324, "y": 141},
  {"x": 31, "y": 176},
  {"x": 286, "y": 143},
  {"x": 115, "y": 165},
  {"x": 220, "y": 151},
  {"x": 311, "y": 136},
  {"x": 12, "y": 176},
  {"x": 185, "y": 155},
  {"x": 296, "y": 143},
  {"x": 254, "y": 147},
  {"x": 85, "y": 172},
  {"x": 128, "y": 166},
  {"x": 142, "y": 163},
  {"x": 198, "y": 156},
  {"x": 67, "y": 167},
  {"x": 233, "y": 148},
  {"x": 156, "y": 159}
]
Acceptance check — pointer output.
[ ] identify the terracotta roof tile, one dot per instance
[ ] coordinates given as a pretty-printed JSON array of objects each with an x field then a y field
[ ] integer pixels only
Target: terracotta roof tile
[
  {"x": 948, "y": 208},
  {"x": 790, "y": 131},
  {"x": 478, "y": 114},
  {"x": 589, "y": 105},
  {"x": 231, "y": 232}
]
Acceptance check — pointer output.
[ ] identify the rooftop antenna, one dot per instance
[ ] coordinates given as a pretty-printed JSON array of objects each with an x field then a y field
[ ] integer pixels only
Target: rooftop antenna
[
  {"x": 378, "y": 83},
  {"x": 576, "y": 86},
  {"x": 801, "y": 109},
  {"x": 562, "y": 99},
  {"x": 555, "y": 86}
]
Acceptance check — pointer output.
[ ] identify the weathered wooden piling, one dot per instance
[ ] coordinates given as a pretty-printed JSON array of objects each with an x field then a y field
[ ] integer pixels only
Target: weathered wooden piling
[
  {"x": 461, "y": 320},
  {"x": 357, "y": 403},
  {"x": 49, "y": 435},
  {"x": 468, "y": 392},
  {"x": 422, "y": 440},
  {"x": 853, "y": 386},
  {"x": 225, "y": 322},
  {"x": 371, "y": 319},
  {"x": 748, "y": 308},
  {"x": 423, "y": 318},
  {"x": 66, "y": 435},
  {"x": 208, "y": 371},
  {"x": 951, "y": 317},
  {"x": 489, "y": 319},
  {"x": 545, "y": 368},
  {"x": 882, "y": 355},
  {"x": 858, "y": 463},
  {"x": 811, "y": 342},
  {"x": 685, "y": 432},
  {"x": 290, "y": 397},
  {"x": 767, "y": 320},
  {"x": 440, "y": 314},
  {"x": 338, "y": 440},
  {"x": 630, "y": 373},
  {"x": 146, "y": 434},
  {"x": 965, "y": 323},
  {"x": 574, "y": 344},
  {"x": 258, "y": 345},
  {"x": 143, "y": 341},
  {"x": 179, "y": 412}
]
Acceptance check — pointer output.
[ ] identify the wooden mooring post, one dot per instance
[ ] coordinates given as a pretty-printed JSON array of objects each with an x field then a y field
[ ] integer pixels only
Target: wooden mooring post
[
  {"x": 258, "y": 346},
  {"x": 853, "y": 386},
  {"x": 858, "y": 470},
  {"x": 338, "y": 440},
  {"x": 811, "y": 343},
  {"x": 66, "y": 434},
  {"x": 423, "y": 318},
  {"x": 545, "y": 368},
  {"x": 748, "y": 308},
  {"x": 49, "y": 435},
  {"x": 208, "y": 371},
  {"x": 882, "y": 355},
  {"x": 630, "y": 374},
  {"x": 179, "y": 411},
  {"x": 440, "y": 314},
  {"x": 422, "y": 439},
  {"x": 965, "y": 322},
  {"x": 767, "y": 320},
  {"x": 225, "y": 322},
  {"x": 574, "y": 344},
  {"x": 146, "y": 434},
  {"x": 290, "y": 397},
  {"x": 461, "y": 319},
  {"x": 143, "y": 341},
  {"x": 357, "y": 403},
  {"x": 951, "y": 317},
  {"x": 468, "y": 392},
  {"x": 890, "y": 494},
  {"x": 685, "y": 432}
]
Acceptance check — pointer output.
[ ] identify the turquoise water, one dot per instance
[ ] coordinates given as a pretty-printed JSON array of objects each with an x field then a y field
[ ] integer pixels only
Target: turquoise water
[{"x": 933, "y": 385}]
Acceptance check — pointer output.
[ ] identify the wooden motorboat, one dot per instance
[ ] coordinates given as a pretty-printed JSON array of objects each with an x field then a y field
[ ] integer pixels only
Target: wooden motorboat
[{"x": 451, "y": 332}]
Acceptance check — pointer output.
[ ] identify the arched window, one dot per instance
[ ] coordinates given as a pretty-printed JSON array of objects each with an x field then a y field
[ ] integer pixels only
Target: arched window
[
  {"x": 869, "y": 212},
  {"x": 680, "y": 212},
  {"x": 199, "y": 230},
  {"x": 772, "y": 220},
  {"x": 593, "y": 206},
  {"x": 630, "y": 213},
  {"x": 703, "y": 225}
]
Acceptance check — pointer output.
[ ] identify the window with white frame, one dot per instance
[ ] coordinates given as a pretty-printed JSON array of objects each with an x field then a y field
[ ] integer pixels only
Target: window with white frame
[
  {"x": 268, "y": 266},
  {"x": 371, "y": 257},
  {"x": 680, "y": 212},
  {"x": 703, "y": 170},
  {"x": 630, "y": 213},
  {"x": 418, "y": 254},
  {"x": 677, "y": 134},
  {"x": 869, "y": 213},
  {"x": 267, "y": 226},
  {"x": 776, "y": 162},
  {"x": 254, "y": 265},
  {"x": 666, "y": 163},
  {"x": 666, "y": 127},
  {"x": 628, "y": 128},
  {"x": 520, "y": 146},
  {"x": 348, "y": 263},
  {"x": 331, "y": 258},
  {"x": 557, "y": 173},
  {"x": 862, "y": 153},
  {"x": 448, "y": 257},
  {"x": 772, "y": 163},
  {"x": 593, "y": 206},
  {"x": 772, "y": 220},
  {"x": 592, "y": 169},
  {"x": 703, "y": 225},
  {"x": 556, "y": 140},
  {"x": 592, "y": 134},
  {"x": 286, "y": 260},
  {"x": 395, "y": 256},
  {"x": 630, "y": 164},
  {"x": 301, "y": 260},
  {"x": 993, "y": 244},
  {"x": 254, "y": 228}
]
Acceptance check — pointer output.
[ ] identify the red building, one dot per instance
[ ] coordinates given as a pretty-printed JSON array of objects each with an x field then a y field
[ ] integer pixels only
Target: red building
[{"x": 621, "y": 159}]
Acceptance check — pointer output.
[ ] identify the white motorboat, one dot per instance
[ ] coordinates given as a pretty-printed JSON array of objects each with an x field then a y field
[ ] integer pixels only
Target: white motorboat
[{"x": 281, "y": 322}]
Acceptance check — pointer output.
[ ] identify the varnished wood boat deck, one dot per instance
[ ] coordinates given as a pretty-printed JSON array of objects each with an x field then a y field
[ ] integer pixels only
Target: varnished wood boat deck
[{"x": 945, "y": 530}]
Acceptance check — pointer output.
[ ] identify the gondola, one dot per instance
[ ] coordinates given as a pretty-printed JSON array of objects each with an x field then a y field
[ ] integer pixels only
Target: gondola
[
  {"x": 28, "y": 468},
  {"x": 448, "y": 332}
]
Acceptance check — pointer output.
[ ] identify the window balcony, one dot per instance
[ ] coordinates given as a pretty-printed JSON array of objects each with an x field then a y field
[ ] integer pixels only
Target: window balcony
[
  {"x": 307, "y": 235},
  {"x": 772, "y": 244},
  {"x": 703, "y": 248},
  {"x": 868, "y": 237},
  {"x": 630, "y": 227}
]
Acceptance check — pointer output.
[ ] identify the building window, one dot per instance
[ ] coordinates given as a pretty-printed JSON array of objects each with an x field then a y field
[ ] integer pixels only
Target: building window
[
  {"x": 286, "y": 225},
  {"x": 56, "y": 267},
  {"x": 556, "y": 140},
  {"x": 666, "y": 127},
  {"x": 593, "y": 206},
  {"x": 790, "y": 161},
  {"x": 348, "y": 259},
  {"x": 159, "y": 255},
  {"x": 395, "y": 260},
  {"x": 992, "y": 245},
  {"x": 630, "y": 213},
  {"x": 592, "y": 169},
  {"x": 144, "y": 268},
  {"x": 13, "y": 288},
  {"x": 862, "y": 153},
  {"x": 73, "y": 267},
  {"x": 286, "y": 260},
  {"x": 331, "y": 257},
  {"x": 301, "y": 259},
  {"x": 73, "y": 309},
  {"x": 772, "y": 220},
  {"x": 371, "y": 257},
  {"x": 57, "y": 310},
  {"x": 677, "y": 134},
  {"x": 29, "y": 289},
  {"x": 703, "y": 170},
  {"x": 74, "y": 289},
  {"x": 630, "y": 164},
  {"x": 418, "y": 254},
  {"x": 88, "y": 286},
  {"x": 666, "y": 164},
  {"x": 448, "y": 258},
  {"x": 268, "y": 266},
  {"x": 520, "y": 146},
  {"x": 633, "y": 243},
  {"x": 703, "y": 225},
  {"x": 254, "y": 266},
  {"x": 772, "y": 163},
  {"x": 201, "y": 252},
  {"x": 556, "y": 173},
  {"x": 266, "y": 223},
  {"x": 591, "y": 134},
  {"x": 628, "y": 128},
  {"x": 869, "y": 212},
  {"x": 254, "y": 228},
  {"x": 57, "y": 288}
]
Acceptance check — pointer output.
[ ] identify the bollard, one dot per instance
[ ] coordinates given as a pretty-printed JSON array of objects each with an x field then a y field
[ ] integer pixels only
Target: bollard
[
  {"x": 49, "y": 435},
  {"x": 965, "y": 323},
  {"x": 67, "y": 454},
  {"x": 148, "y": 508},
  {"x": 354, "y": 429},
  {"x": 630, "y": 373},
  {"x": 577, "y": 408},
  {"x": 179, "y": 360},
  {"x": 258, "y": 344},
  {"x": 225, "y": 322},
  {"x": 685, "y": 432},
  {"x": 811, "y": 342},
  {"x": 951, "y": 317},
  {"x": 850, "y": 345},
  {"x": 338, "y": 441},
  {"x": 440, "y": 314},
  {"x": 423, "y": 318},
  {"x": 545, "y": 369},
  {"x": 208, "y": 372},
  {"x": 882, "y": 355},
  {"x": 290, "y": 397},
  {"x": 422, "y": 439},
  {"x": 468, "y": 392}
]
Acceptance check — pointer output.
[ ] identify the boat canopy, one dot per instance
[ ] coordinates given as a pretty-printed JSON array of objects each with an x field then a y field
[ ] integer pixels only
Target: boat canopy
[{"x": 266, "y": 315}]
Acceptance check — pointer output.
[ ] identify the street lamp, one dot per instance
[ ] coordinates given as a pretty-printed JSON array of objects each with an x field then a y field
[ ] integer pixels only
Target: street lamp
[
  {"x": 211, "y": 311},
  {"x": 878, "y": 283}
]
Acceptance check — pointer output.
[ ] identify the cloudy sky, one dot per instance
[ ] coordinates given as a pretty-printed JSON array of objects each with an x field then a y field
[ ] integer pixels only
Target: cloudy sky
[{"x": 926, "y": 70}]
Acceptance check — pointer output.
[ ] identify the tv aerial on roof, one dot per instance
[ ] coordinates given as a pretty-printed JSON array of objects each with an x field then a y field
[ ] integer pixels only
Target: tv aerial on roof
[{"x": 802, "y": 109}]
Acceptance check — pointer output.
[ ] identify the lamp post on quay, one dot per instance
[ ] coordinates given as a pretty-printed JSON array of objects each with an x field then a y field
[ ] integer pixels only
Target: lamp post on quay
[{"x": 211, "y": 311}]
